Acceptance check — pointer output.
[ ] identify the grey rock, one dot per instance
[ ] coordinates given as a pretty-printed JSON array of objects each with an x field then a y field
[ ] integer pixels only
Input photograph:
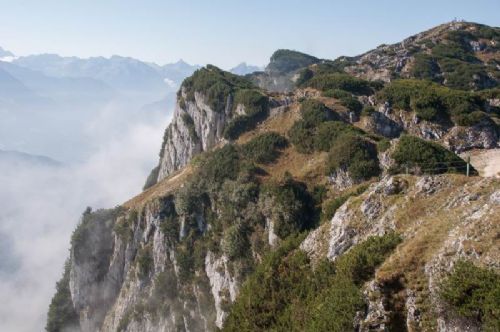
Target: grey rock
[
  {"x": 481, "y": 136},
  {"x": 180, "y": 143}
]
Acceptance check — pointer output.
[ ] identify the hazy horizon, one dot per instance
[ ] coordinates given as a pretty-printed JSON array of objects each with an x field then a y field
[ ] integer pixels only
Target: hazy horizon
[
  {"x": 107, "y": 130},
  {"x": 199, "y": 32}
]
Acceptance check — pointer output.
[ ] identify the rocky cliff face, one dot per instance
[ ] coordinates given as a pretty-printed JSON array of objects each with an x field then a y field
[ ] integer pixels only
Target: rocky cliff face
[
  {"x": 390, "y": 123},
  {"x": 442, "y": 219},
  {"x": 195, "y": 128},
  {"x": 176, "y": 257},
  {"x": 132, "y": 272},
  {"x": 127, "y": 273},
  {"x": 428, "y": 54},
  {"x": 282, "y": 72},
  {"x": 127, "y": 276}
]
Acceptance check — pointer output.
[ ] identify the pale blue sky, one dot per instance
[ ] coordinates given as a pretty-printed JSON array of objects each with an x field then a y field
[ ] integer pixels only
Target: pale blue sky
[{"x": 223, "y": 32}]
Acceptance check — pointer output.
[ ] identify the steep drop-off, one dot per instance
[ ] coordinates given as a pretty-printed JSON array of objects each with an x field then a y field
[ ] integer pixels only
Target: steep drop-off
[{"x": 338, "y": 205}]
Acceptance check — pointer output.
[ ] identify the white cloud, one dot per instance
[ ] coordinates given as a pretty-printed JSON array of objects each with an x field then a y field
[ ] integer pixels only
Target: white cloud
[
  {"x": 8, "y": 58},
  {"x": 170, "y": 83},
  {"x": 39, "y": 208}
]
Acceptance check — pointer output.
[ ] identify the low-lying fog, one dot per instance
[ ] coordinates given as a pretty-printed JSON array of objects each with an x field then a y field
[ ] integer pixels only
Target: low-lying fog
[{"x": 41, "y": 203}]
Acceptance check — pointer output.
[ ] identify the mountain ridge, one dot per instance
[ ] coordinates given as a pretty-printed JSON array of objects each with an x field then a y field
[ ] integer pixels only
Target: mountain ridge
[{"x": 313, "y": 196}]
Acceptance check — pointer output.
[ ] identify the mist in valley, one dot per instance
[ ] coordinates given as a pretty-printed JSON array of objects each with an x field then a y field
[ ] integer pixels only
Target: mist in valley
[
  {"x": 40, "y": 206},
  {"x": 81, "y": 153}
]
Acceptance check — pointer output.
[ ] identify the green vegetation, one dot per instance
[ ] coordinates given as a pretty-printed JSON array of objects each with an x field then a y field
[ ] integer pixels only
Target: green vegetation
[
  {"x": 383, "y": 144},
  {"x": 215, "y": 84},
  {"x": 188, "y": 121},
  {"x": 169, "y": 224},
  {"x": 318, "y": 129},
  {"x": 255, "y": 102},
  {"x": 224, "y": 193},
  {"x": 256, "y": 109},
  {"x": 62, "y": 315},
  {"x": 124, "y": 226},
  {"x": 331, "y": 206},
  {"x": 368, "y": 111},
  {"x": 453, "y": 50},
  {"x": 432, "y": 101},
  {"x": 186, "y": 262},
  {"x": 418, "y": 155},
  {"x": 328, "y": 133},
  {"x": 352, "y": 104},
  {"x": 292, "y": 207},
  {"x": 465, "y": 76},
  {"x": 304, "y": 75},
  {"x": 222, "y": 164},
  {"x": 236, "y": 242},
  {"x": 453, "y": 62},
  {"x": 355, "y": 155},
  {"x": 98, "y": 219},
  {"x": 314, "y": 112},
  {"x": 287, "y": 294},
  {"x": 152, "y": 178},
  {"x": 490, "y": 93},
  {"x": 163, "y": 285},
  {"x": 337, "y": 94},
  {"x": 425, "y": 67},
  {"x": 103, "y": 222},
  {"x": 346, "y": 99},
  {"x": 264, "y": 148},
  {"x": 474, "y": 292},
  {"x": 342, "y": 82},
  {"x": 237, "y": 126},
  {"x": 331, "y": 67},
  {"x": 487, "y": 32},
  {"x": 145, "y": 262},
  {"x": 285, "y": 61},
  {"x": 302, "y": 132}
]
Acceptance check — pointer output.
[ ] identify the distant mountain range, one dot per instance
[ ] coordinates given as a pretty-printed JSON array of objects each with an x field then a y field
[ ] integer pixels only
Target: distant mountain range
[
  {"x": 16, "y": 158},
  {"x": 122, "y": 74},
  {"x": 244, "y": 69},
  {"x": 48, "y": 102},
  {"x": 5, "y": 55},
  {"x": 61, "y": 78}
]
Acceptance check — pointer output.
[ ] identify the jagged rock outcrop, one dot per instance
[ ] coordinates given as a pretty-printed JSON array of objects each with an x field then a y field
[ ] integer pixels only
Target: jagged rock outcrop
[
  {"x": 282, "y": 71},
  {"x": 388, "y": 62},
  {"x": 195, "y": 127},
  {"x": 136, "y": 282},
  {"x": 464, "y": 219},
  {"x": 341, "y": 179},
  {"x": 224, "y": 287},
  {"x": 96, "y": 272},
  {"x": 391, "y": 123},
  {"x": 175, "y": 257},
  {"x": 480, "y": 136},
  {"x": 380, "y": 124}
]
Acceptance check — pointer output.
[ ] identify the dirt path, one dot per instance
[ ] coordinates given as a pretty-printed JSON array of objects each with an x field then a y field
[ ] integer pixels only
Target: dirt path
[{"x": 162, "y": 188}]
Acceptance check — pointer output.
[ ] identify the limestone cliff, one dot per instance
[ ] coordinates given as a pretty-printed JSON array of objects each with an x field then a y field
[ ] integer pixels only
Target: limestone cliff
[
  {"x": 336, "y": 163},
  {"x": 442, "y": 218},
  {"x": 195, "y": 127}
]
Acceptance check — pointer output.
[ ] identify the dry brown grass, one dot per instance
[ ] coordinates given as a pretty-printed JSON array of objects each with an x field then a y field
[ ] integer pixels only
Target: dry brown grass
[
  {"x": 426, "y": 224},
  {"x": 304, "y": 167},
  {"x": 162, "y": 188},
  {"x": 309, "y": 168},
  {"x": 487, "y": 56},
  {"x": 280, "y": 124}
]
